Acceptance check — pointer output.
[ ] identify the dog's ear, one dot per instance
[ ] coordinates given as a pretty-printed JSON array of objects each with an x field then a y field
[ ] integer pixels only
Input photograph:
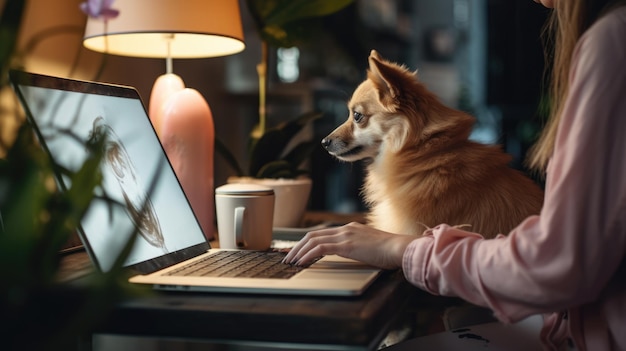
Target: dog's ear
[
  {"x": 385, "y": 77},
  {"x": 374, "y": 54}
]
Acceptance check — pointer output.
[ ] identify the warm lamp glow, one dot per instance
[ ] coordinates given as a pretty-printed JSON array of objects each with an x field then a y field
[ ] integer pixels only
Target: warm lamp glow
[{"x": 193, "y": 29}]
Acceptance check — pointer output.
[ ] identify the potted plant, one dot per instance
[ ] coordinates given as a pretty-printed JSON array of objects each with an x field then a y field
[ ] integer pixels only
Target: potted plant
[
  {"x": 274, "y": 160},
  {"x": 273, "y": 165},
  {"x": 36, "y": 222}
]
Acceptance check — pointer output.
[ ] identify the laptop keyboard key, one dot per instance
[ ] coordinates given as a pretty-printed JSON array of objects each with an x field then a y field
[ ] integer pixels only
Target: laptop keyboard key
[{"x": 240, "y": 264}]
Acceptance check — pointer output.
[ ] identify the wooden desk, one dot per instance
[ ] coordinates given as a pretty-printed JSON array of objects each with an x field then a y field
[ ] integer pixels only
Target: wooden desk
[{"x": 309, "y": 323}]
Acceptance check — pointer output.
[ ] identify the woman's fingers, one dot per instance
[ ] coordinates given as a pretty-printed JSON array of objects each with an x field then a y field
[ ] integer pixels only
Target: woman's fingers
[
  {"x": 312, "y": 241},
  {"x": 354, "y": 240}
]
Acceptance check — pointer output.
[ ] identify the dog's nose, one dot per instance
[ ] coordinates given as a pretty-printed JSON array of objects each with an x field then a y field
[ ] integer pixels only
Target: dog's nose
[{"x": 326, "y": 143}]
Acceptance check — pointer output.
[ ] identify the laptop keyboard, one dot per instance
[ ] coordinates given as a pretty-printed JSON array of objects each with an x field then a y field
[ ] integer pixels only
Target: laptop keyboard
[{"x": 240, "y": 264}]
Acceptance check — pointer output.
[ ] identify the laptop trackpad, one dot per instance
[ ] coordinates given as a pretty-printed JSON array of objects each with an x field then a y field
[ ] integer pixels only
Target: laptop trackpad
[
  {"x": 338, "y": 262},
  {"x": 336, "y": 267},
  {"x": 337, "y": 274}
]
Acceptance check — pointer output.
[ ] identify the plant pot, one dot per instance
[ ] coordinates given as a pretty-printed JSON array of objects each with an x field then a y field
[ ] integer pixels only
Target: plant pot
[{"x": 291, "y": 198}]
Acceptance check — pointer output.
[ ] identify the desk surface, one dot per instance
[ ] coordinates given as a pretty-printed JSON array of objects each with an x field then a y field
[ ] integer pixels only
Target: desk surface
[{"x": 356, "y": 323}]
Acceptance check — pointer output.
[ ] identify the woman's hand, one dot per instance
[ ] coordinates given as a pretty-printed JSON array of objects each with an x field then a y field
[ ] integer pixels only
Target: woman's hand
[{"x": 355, "y": 241}]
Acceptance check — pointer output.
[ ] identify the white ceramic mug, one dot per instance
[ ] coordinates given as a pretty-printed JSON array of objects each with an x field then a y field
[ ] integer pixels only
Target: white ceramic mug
[{"x": 244, "y": 216}]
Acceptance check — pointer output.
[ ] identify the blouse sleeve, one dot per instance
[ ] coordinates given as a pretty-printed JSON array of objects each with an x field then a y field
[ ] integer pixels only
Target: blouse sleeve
[{"x": 567, "y": 254}]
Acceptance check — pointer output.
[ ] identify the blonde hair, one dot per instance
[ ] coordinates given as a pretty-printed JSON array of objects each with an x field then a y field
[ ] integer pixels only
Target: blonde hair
[{"x": 567, "y": 23}]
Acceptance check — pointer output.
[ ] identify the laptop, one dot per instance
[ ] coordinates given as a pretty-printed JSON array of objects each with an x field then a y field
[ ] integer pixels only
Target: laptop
[{"x": 67, "y": 114}]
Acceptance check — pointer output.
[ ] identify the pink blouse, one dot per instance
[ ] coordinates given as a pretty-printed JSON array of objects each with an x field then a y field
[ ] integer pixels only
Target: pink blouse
[{"x": 568, "y": 263}]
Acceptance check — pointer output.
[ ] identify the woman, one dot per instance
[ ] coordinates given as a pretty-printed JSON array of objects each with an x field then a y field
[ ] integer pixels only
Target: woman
[{"x": 568, "y": 262}]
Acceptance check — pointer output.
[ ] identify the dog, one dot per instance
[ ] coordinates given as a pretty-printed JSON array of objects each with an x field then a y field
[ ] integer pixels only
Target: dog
[{"x": 421, "y": 168}]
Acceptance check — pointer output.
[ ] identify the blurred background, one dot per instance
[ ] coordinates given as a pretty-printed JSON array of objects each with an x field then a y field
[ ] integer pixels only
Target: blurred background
[{"x": 481, "y": 56}]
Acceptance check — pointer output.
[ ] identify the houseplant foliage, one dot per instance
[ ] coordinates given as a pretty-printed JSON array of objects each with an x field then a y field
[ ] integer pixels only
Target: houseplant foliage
[
  {"x": 269, "y": 157},
  {"x": 40, "y": 310},
  {"x": 280, "y": 24},
  {"x": 286, "y": 23},
  {"x": 37, "y": 220}
]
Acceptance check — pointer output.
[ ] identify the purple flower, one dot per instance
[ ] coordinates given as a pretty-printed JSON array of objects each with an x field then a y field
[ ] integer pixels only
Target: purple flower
[{"x": 99, "y": 9}]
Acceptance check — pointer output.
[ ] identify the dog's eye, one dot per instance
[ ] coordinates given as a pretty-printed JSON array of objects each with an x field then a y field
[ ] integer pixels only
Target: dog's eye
[{"x": 358, "y": 116}]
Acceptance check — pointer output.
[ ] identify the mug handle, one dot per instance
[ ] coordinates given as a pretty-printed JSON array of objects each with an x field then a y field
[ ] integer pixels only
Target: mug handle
[{"x": 240, "y": 222}]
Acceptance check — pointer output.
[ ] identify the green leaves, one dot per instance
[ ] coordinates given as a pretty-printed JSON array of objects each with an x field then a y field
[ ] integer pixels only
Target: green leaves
[
  {"x": 228, "y": 156},
  {"x": 285, "y": 23},
  {"x": 22, "y": 193},
  {"x": 37, "y": 219},
  {"x": 268, "y": 155}
]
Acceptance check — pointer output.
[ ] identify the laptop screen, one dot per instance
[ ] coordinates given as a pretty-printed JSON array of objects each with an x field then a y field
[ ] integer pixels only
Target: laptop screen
[{"x": 139, "y": 187}]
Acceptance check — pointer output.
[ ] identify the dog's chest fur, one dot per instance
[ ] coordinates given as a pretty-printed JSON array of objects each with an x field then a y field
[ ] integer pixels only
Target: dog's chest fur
[{"x": 401, "y": 198}]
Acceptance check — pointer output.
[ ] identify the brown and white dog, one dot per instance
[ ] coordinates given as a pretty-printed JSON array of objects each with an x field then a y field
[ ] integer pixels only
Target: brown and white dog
[{"x": 422, "y": 169}]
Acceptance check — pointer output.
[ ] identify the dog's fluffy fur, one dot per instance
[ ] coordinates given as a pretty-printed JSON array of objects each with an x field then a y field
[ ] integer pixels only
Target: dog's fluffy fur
[{"x": 422, "y": 170}]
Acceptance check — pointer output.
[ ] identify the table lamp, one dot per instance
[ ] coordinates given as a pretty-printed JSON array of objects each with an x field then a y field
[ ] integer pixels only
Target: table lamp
[{"x": 181, "y": 116}]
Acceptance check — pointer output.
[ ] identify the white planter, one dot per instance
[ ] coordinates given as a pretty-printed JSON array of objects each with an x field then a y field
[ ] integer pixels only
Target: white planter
[{"x": 291, "y": 198}]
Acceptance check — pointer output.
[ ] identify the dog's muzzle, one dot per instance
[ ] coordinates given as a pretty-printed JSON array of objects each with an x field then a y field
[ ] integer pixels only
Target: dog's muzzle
[{"x": 338, "y": 148}]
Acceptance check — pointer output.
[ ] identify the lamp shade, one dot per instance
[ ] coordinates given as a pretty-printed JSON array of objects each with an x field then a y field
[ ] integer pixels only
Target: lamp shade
[{"x": 168, "y": 28}]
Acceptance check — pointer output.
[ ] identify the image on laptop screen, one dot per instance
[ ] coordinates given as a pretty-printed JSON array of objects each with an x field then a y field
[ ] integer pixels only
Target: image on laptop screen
[{"x": 135, "y": 171}]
